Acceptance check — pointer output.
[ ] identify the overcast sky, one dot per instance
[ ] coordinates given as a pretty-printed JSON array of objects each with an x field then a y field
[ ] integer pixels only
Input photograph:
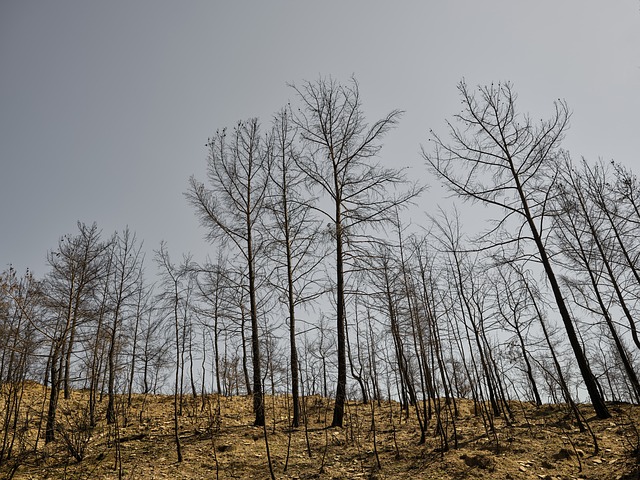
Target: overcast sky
[{"x": 105, "y": 106}]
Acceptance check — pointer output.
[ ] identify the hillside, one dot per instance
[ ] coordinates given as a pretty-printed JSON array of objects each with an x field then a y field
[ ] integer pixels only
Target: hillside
[{"x": 218, "y": 440}]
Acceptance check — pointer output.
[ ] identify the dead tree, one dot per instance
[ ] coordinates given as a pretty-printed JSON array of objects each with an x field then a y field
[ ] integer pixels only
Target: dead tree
[
  {"x": 294, "y": 237},
  {"x": 172, "y": 295},
  {"x": 76, "y": 268},
  {"x": 501, "y": 158},
  {"x": 339, "y": 161},
  {"x": 127, "y": 275},
  {"x": 231, "y": 208},
  {"x": 586, "y": 237}
]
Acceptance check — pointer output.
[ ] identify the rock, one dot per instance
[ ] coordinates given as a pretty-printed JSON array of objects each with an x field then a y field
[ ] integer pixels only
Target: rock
[
  {"x": 483, "y": 462},
  {"x": 563, "y": 454},
  {"x": 547, "y": 465}
]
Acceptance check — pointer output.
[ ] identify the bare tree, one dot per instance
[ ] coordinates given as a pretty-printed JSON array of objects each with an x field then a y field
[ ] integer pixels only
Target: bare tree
[
  {"x": 238, "y": 172},
  {"x": 295, "y": 250},
  {"x": 338, "y": 160},
  {"x": 20, "y": 307},
  {"x": 99, "y": 339},
  {"x": 512, "y": 308},
  {"x": 429, "y": 303},
  {"x": 501, "y": 158},
  {"x": 143, "y": 309},
  {"x": 591, "y": 242},
  {"x": 388, "y": 296},
  {"x": 214, "y": 288},
  {"x": 469, "y": 299},
  {"x": 76, "y": 267},
  {"x": 154, "y": 352},
  {"x": 127, "y": 264},
  {"x": 173, "y": 291}
]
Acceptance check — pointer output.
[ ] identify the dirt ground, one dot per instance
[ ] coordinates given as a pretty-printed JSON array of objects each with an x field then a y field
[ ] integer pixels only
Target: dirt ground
[{"x": 218, "y": 441}]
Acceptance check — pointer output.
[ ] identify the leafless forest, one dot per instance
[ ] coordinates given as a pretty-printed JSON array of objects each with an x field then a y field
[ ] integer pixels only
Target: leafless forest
[{"x": 317, "y": 287}]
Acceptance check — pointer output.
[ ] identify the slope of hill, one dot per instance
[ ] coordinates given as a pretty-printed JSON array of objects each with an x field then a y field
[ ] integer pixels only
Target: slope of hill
[{"x": 378, "y": 441}]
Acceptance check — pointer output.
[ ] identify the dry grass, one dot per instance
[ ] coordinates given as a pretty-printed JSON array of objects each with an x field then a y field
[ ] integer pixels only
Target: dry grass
[{"x": 219, "y": 440}]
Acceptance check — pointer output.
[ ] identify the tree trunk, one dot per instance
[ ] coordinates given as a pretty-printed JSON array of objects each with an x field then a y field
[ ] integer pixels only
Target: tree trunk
[{"x": 341, "y": 386}]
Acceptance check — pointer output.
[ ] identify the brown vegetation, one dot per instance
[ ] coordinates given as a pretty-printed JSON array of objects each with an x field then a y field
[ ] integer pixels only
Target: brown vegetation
[{"x": 219, "y": 441}]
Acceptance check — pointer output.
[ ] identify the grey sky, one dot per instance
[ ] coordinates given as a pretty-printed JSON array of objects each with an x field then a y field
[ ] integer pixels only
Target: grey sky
[{"x": 105, "y": 107}]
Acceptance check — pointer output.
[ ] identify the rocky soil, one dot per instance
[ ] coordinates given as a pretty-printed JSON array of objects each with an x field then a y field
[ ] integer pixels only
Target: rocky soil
[{"x": 378, "y": 441}]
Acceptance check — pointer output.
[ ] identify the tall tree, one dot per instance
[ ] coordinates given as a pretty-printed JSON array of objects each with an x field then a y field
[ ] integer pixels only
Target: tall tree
[
  {"x": 76, "y": 267},
  {"x": 231, "y": 208},
  {"x": 502, "y": 158},
  {"x": 172, "y": 294},
  {"x": 20, "y": 308},
  {"x": 512, "y": 309},
  {"x": 587, "y": 234},
  {"x": 142, "y": 309},
  {"x": 294, "y": 238},
  {"x": 339, "y": 160},
  {"x": 214, "y": 288},
  {"x": 125, "y": 285}
]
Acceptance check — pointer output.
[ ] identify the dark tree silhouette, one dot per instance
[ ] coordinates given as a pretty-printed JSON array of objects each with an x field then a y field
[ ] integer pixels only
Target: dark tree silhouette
[
  {"x": 502, "y": 158},
  {"x": 238, "y": 172},
  {"x": 338, "y": 160}
]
